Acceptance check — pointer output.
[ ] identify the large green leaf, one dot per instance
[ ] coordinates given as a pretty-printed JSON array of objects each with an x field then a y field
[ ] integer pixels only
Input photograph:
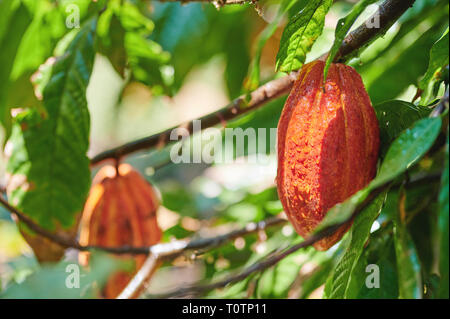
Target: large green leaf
[
  {"x": 49, "y": 167},
  {"x": 394, "y": 117},
  {"x": 438, "y": 59},
  {"x": 300, "y": 34},
  {"x": 342, "y": 27},
  {"x": 9, "y": 43},
  {"x": 444, "y": 229},
  {"x": 359, "y": 234}
]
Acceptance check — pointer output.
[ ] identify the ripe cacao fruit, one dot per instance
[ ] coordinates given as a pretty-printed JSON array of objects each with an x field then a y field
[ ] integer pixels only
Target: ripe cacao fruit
[
  {"x": 120, "y": 211},
  {"x": 328, "y": 140}
]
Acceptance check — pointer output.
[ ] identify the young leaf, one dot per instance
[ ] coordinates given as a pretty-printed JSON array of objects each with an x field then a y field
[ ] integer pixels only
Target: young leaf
[
  {"x": 342, "y": 28},
  {"x": 394, "y": 117},
  {"x": 48, "y": 163},
  {"x": 112, "y": 41},
  {"x": 438, "y": 59},
  {"x": 147, "y": 60},
  {"x": 444, "y": 229},
  {"x": 359, "y": 234},
  {"x": 300, "y": 34},
  {"x": 9, "y": 43}
]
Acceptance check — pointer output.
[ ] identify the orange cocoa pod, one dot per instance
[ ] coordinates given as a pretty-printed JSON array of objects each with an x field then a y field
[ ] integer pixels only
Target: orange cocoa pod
[
  {"x": 120, "y": 211},
  {"x": 328, "y": 140}
]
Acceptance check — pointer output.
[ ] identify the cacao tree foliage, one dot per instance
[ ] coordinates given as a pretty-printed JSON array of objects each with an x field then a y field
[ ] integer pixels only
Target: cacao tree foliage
[{"x": 78, "y": 77}]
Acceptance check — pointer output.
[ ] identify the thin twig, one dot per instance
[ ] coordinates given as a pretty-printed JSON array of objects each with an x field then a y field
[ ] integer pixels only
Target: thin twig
[
  {"x": 135, "y": 286},
  {"x": 58, "y": 239},
  {"x": 166, "y": 250},
  {"x": 389, "y": 11}
]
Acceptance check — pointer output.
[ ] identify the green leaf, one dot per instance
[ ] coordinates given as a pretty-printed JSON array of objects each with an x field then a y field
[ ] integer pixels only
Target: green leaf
[
  {"x": 49, "y": 167},
  {"x": 300, "y": 34},
  {"x": 444, "y": 229},
  {"x": 381, "y": 252},
  {"x": 147, "y": 60},
  {"x": 342, "y": 28},
  {"x": 9, "y": 44},
  {"x": 328, "y": 286},
  {"x": 276, "y": 282},
  {"x": 133, "y": 20},
  {"x": 359, "y": 234},
  {"x": 438, "y": 59},
  {"x": 407, "y": 149},
  {"x": 394, "y": 117},
  {"x": 112, "y": 40},
  {"x": 408, "y": 264},
  {"x": 124, "y": 33},
  {"x": 47, "y": 27},
  {"x": 6, "y": 9},
  {"x": 60, "y": 280}
]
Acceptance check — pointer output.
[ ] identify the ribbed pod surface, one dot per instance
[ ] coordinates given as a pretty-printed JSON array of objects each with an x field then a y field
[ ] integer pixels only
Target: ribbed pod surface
[
  {"x": 328, "y": 140},
  {"x": 120, "y": 211}
]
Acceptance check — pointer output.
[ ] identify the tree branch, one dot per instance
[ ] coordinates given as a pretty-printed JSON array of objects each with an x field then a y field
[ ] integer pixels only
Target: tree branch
[
  {"x": 166, "y": 250},
  {"x": 272, "y": 259},
  {"x": 136, "y": 285},
  {"x": 388, "y": 12},
  {"x": 237, "y": 107}
]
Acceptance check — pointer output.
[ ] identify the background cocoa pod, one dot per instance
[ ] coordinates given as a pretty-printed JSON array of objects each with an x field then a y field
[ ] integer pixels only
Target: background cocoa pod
[
  {"x": 328, "y": 140},
  {"x": 120, "y": 211}
]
